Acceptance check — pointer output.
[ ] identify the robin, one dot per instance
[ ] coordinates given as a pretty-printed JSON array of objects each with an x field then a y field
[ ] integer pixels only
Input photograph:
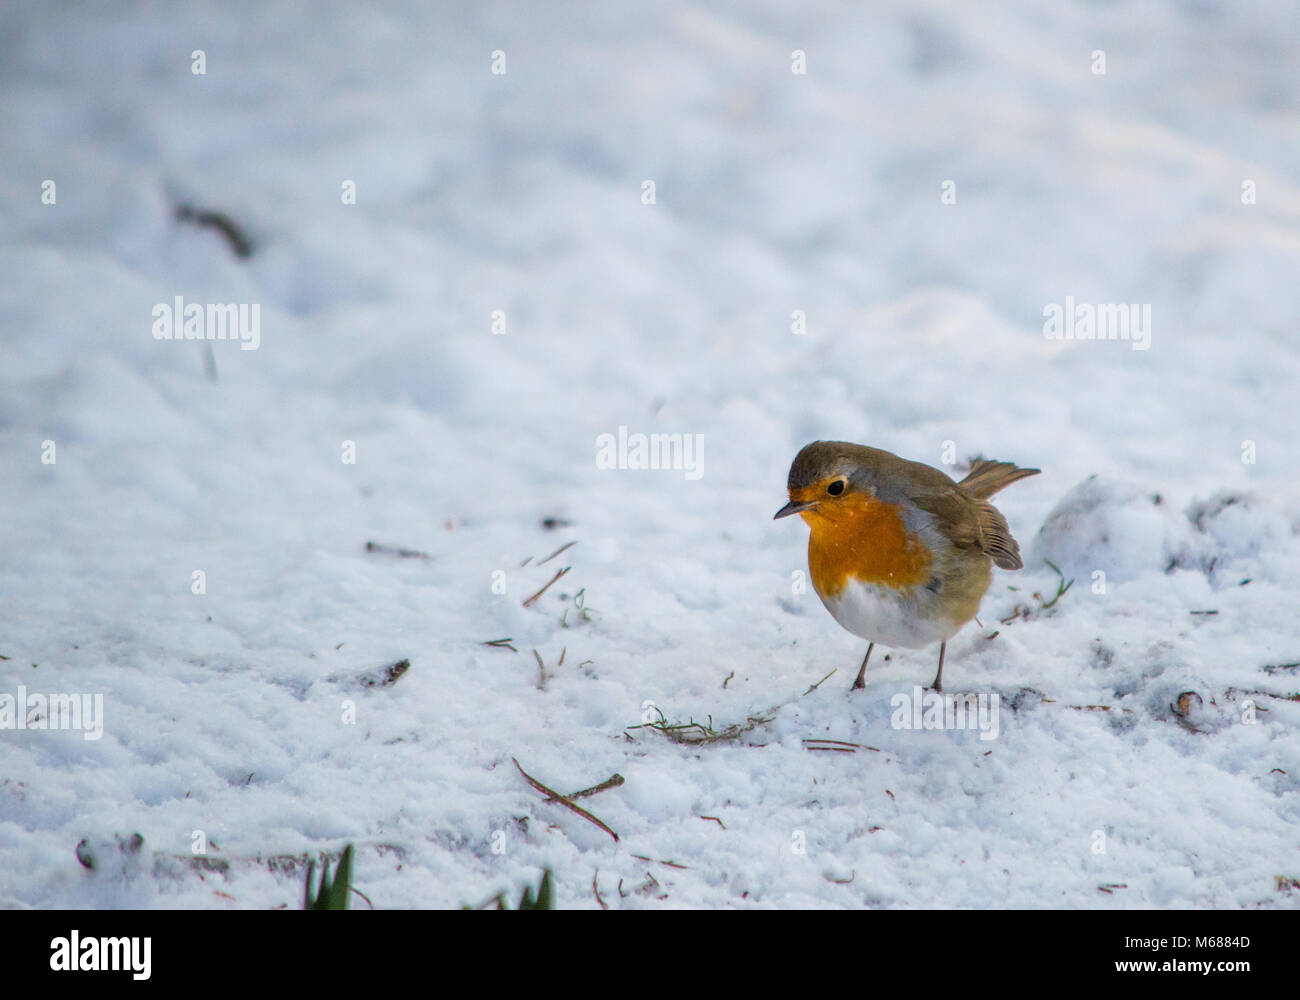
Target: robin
[{"x": 898, "y": 552}]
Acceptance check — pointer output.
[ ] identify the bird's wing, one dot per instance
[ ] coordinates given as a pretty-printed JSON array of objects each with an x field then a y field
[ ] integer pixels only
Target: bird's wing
[{"x": 969, "y": 522}]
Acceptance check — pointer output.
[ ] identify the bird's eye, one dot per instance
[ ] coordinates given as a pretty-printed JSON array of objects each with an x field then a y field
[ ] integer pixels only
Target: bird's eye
[{"x": 836, "y": 488}]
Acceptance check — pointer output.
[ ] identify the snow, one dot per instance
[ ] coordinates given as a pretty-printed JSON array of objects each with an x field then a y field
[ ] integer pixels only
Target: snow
[{"x": 227, "y": 712}]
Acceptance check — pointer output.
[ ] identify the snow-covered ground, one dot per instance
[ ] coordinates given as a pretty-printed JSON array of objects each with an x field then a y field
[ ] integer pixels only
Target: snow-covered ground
[{"x": 1146, "y": 751}]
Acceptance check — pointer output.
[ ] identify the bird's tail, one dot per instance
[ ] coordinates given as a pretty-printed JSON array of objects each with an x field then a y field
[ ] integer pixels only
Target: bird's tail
[{"x": 987, "y": 478}]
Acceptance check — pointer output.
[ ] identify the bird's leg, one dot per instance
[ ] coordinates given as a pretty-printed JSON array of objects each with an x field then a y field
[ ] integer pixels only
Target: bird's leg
[
  {"x": 860, "y": 683},
  {"x": 938, "y": 678}
]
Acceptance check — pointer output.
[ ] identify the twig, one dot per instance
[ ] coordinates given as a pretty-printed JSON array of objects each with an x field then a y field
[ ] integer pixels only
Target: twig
[
  {"x": 558, "y": 573},
  {"x": 819, "y": 683},
  {"x": 716, "y": 820},
  {"x": 568, "y": 804},
  {"x": 613, "y": 781},
  {"x": 557, "y": 552},
  {"x": 501, "y": 644},
  {"x": 603, "y": 904}
]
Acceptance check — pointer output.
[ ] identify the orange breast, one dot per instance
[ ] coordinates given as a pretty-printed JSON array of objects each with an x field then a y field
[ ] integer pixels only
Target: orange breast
[{"x": 860, "y": 537}]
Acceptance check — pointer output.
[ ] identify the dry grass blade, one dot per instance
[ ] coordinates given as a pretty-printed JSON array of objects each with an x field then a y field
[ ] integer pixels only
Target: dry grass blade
[
  {"x": 656, "y": 861},
  {"x": 562, "y": 548},
  {"x": 558, "y": 573},
  {"x": 697, "y": 733},
  {"x": 842, "y": 746},
  {"x": 692, "y": 733},
  {"x": 551, "y": 793},
  {"x": 396, "y": 550}
]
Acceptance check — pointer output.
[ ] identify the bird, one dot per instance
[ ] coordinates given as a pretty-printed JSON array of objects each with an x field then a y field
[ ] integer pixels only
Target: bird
[{"x": 899, "y": 552}]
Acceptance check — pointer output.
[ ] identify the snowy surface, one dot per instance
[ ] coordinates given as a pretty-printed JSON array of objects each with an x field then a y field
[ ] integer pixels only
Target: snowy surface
[{"x": 774, "y": 192}]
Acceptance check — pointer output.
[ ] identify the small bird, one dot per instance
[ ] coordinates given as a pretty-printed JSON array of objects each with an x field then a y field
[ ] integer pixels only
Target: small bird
[{"x": 898, "y": 552}]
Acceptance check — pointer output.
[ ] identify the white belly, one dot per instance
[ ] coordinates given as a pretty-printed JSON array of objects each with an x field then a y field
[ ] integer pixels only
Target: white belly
[{"x": 908, "y": 619}]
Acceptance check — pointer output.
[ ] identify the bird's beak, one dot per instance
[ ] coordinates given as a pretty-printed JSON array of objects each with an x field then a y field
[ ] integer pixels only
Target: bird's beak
[{"x": 793, "y": 507}]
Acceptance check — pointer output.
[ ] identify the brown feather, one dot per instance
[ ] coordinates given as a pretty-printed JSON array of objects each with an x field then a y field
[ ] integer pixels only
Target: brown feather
[
  {"x": 987, "y": 478},
  {"x": 995, "y": 537}
]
